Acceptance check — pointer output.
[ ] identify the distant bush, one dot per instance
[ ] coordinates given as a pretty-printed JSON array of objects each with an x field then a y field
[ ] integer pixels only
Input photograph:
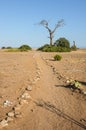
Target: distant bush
[
  {"x": 43, "y": 47},
  {"x": 24, "y": 48},
  {"x": 73, "y": 48},
  {"x": 57, "y": 57},
  {"x": 62, "y": 42},
  {"x": 48, "y": 48},
  {"x": 9, "y": 47},
  {"x": 3, "y": 47}
]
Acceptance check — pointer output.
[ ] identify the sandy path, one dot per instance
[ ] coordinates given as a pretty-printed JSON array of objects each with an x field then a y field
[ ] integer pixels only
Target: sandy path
[{"x": 52, "y": 107}]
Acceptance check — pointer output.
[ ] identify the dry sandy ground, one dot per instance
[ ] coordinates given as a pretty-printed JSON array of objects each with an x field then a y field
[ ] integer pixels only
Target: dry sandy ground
[{"x": 52, "y": 106}]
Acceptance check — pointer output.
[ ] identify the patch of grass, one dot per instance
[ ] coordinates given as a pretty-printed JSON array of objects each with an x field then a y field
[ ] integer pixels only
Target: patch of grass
[{"x": 12, "y": 50}]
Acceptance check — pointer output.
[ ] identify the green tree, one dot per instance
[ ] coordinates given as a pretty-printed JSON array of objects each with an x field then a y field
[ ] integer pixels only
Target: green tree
[{"x": 62, "y": 42}]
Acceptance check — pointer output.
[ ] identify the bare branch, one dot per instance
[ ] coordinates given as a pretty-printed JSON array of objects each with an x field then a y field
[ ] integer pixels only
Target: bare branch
[
  {"x": 45, "y": 24},
  {"x": 59, "y": 24}
]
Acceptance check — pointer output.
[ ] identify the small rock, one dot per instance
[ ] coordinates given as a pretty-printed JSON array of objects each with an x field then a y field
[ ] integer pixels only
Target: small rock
[
  {"x": 3, "y": 123},
  {"x": 9, "y": 119},
  {"x": 84, "y": 92},
  {"x": 38, "y": 72},
  {"x": 23, "y": 101},
  {"x": 17, "y": 108},
  {"x": 36, "y": 79},
  {"x": 29, "y": 88},
  {"x": 82, "y": 120},
  {"x": 10, "y": 114},
  {"x": 18, "y": 115},
  {"x": 7, "y": 103},
  {"x": 26, "y": 96},
  {"x": 68, "y": 81}
]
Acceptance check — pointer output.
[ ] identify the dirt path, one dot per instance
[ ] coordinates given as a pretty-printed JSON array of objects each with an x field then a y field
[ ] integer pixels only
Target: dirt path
[{"x": 52, "y": 107}]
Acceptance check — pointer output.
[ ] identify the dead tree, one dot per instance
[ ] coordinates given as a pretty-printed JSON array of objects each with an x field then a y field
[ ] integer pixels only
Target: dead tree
[{"x": 51, "y": 32}]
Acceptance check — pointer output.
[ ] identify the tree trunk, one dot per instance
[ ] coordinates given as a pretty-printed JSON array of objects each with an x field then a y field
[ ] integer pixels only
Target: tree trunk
[{"x": 51, "y": 38}]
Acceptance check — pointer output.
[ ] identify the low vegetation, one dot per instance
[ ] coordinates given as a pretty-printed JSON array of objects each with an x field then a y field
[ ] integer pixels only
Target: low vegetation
[
  {"x": 62, "y": 42},
  {"x": 57, "y": 57},
  {"x": 73, "y": 48},
  {"x": 60, "y": 45},
  {"x": 24, "y": 48},
  {"x": 48, "y": 48},
  {"x": 13, "y": 50},
  {"x": 21, "y": 48}
]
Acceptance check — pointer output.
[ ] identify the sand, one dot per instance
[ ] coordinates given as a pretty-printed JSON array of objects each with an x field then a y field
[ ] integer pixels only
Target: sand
[{"x": 52, "y": 105}]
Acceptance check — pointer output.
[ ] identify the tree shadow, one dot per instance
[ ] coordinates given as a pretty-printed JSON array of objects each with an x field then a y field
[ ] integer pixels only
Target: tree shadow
[
  {"x": 59, "y": 85},
  {"x": 52, "y": 108},
  {"x": 83, "y": 83},
  {"x": 72, "y": 87}
]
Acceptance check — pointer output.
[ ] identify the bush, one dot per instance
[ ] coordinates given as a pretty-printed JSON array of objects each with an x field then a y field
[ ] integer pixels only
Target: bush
[
  {"x": 9, "y": 47},
  {"x": 43, "y": 47},
  {"x": 3, "y": 47},
  {"x": 57, "y": 57},
  {"x": 62, "y": 42},
  {"x": 48, "y": 48},
  {"x": 24, "y": 48},
  {"x": 73, "y": 48}
]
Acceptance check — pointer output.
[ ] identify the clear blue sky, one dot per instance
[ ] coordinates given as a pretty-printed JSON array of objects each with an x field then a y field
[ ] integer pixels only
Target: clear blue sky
[{"x": 19, "y": 18}]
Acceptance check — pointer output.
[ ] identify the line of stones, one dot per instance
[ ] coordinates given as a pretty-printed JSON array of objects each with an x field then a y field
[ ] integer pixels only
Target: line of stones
[{"x": 23, "y": 99}]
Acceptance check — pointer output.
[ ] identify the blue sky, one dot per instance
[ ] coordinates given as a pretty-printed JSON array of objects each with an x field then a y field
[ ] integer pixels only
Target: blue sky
[{"x": 19, "y": 18}]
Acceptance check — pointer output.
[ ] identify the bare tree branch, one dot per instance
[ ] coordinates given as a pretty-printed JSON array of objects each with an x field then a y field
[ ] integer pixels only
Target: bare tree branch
[
  {"x": 45, "y": 24},
  {"x": 59, "y": 24}
]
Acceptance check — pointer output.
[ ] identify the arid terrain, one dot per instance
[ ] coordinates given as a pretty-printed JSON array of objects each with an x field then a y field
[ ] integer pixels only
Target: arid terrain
[{"x": 34, "y": 91}]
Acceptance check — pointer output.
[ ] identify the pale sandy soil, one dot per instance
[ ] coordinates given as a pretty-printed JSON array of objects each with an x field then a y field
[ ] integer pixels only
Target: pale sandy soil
[{"x": 52, "y": 106}]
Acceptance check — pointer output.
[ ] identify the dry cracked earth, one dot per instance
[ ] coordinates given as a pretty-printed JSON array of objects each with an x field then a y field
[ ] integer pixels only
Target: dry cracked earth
[{"x": 34, "y": 91}]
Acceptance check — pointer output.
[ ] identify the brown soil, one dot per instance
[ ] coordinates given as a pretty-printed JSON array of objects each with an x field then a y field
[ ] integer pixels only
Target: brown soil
[{"x": 53, "y": 105}]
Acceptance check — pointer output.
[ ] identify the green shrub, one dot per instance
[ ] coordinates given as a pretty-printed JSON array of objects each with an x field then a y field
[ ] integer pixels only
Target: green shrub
[
  {"x": 43, "y": 47},
  {"x": 57, "y": 57},
  {"x": 24, "y": 48},
  {"x": 9, "y": 47},
  {"x": 48, "y": 48},
  {"x": 62, "y": 42},
  {"x": 3, "y": 47},
  {"x": 73, "y": 48}
]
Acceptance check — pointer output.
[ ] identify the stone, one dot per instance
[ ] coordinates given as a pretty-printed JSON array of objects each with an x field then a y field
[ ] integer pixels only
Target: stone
[
  {"x": 84, "y": 92},
  {"x": 17, "y": 108},
  {"x": 3, "y": 123},
  {"x": 10, "y": 114},
  {"x": 25, "y": 96},
  {"x": 29, "y": 88},
  {"x": 9, "y": 119},
  {"x": 7, "y": 103},
  {"x": 23, "y": 101},
  {"x": 68, "y": 81},
  {"x": 18, "y": 115},
  {"x": 38, "y": 72}
]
